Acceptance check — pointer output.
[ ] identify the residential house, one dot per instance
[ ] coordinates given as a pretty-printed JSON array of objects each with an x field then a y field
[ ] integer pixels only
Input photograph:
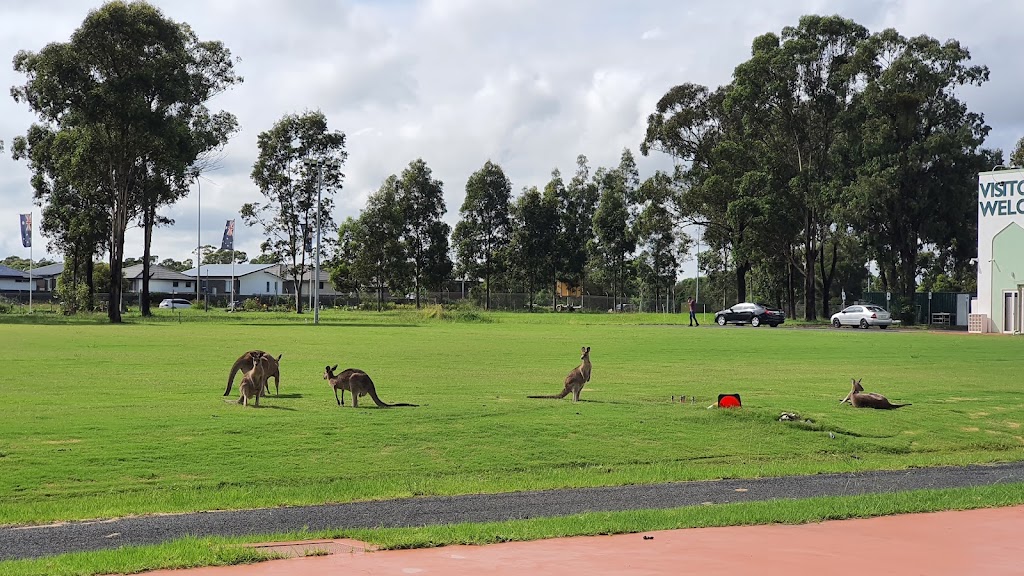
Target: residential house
[
  {"x": 325, "y": 287},
  {"x": 161, "y": 280},
  {"x": 12, "y": 280},
  {"x": 250, "y": 279},
  {"x": 45, "y": 277}
]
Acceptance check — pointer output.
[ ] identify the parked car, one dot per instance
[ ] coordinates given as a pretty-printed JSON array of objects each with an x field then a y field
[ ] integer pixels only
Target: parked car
[
  {"x": 863, "y": 315},
  {"x": 750, "y": 313},
  {"x": 175, "y": 303},
  {"x": 234, "y": 306}
]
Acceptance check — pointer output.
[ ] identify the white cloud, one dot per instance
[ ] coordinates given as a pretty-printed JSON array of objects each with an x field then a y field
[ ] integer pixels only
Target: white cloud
[{"x": 526, "y": 83}]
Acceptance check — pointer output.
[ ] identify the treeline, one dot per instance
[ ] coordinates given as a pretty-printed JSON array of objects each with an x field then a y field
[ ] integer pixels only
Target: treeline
[
  {"x": 830, "y": 148},
  {"x": 605, "y": 229}
]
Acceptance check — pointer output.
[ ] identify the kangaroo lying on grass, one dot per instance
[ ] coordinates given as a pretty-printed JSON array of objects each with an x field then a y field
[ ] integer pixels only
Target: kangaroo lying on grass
[
  {"x": 861, "y": 399},
  {"x": 574, "y": 382},
  {"x": 246, "y": 362},
  {"x": 358, "y": 383},
  {"x": 254, "y": 380}
]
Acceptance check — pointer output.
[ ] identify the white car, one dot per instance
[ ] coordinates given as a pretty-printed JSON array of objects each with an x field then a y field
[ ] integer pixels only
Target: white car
[
  {"x": 175, "y": 303},
  {"x": 862, "y": 315}
]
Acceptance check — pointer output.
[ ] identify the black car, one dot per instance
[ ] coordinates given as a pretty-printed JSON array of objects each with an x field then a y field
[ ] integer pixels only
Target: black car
[{"x": 750, "y": 313}]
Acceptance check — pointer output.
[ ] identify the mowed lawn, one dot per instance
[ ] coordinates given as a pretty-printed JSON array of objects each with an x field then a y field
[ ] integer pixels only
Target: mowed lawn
[{"x": 103, "y": 421}]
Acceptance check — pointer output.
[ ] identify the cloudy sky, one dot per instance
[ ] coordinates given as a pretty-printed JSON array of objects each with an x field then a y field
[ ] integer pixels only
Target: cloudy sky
[{"x": 529, "y": 84}]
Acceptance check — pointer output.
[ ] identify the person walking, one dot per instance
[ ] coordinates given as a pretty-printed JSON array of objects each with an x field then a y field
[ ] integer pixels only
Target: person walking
[{"x": 693, "y": 311}]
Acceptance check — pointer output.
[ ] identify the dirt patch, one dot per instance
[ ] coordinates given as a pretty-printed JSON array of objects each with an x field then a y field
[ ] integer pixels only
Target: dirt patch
[
  {"x": 970, "y": 429},
  {"x": 314, "y": 547},
  {"x": 1013, "y": 425},
  {"x": 59, "y": 442}
]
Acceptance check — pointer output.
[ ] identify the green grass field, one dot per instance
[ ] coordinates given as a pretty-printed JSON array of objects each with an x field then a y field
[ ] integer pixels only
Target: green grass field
[{"x": 104, "y": 421}]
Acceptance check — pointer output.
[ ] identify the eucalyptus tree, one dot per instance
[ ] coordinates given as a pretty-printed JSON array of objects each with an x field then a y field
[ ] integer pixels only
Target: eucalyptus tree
[
  {"x": 299, "y": 161},
  {"x": 533, "y": 240},
  {"x": 127, "y": 86},
  {"x": 425, "y": 234},
  {"x": 484, "y": 225}
]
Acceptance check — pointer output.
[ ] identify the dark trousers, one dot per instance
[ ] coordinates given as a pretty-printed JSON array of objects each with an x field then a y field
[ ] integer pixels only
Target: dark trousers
[{"x": 693, "y": 318}]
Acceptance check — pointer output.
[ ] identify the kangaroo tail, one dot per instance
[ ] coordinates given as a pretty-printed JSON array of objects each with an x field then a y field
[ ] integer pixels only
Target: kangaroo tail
[
  {"x": 555, "y": 396},
  {"x": 901, "y": 405},
  {"x": 242, "y": 361},
  {"x": 372, "y": 391}
]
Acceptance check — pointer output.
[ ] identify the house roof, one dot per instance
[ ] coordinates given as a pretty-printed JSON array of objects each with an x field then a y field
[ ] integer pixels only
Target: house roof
[
  {"x": 325, "y": 275},
  {"x": 156, "y": 272},
  {"x": 224, "y": 270},
  {"x": 49, "y": 270},
  {"x": 8, "y": 272}
]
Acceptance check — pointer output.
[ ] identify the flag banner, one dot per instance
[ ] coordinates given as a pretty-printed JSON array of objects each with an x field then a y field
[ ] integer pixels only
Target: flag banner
[
  {"x": 228, "y": 242},
  {"x": 26, "y": 230},
  {"x": 307, "y": 235}
]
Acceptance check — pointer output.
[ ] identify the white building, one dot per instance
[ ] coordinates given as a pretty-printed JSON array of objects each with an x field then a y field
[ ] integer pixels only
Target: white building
[
  {"x": 12, "y": 280},
  {"x": 161, "y": 280},
  {"x": 325, "y": 286},
  {"x": 1000, "y": 259},
  {"x": 250, "y": 279}
]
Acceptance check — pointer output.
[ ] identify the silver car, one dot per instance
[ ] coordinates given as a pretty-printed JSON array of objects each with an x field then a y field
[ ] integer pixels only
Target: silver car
[
  {"x": 863, "y": 315},
  {"x": 173, "y": 303}
]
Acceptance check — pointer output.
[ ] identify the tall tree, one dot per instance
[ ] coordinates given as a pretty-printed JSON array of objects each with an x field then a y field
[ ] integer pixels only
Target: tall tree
[
  {"x": 795, "y": 90},
  {"x": 298, "y": 156},
  {"x": 425, "y": 235},
  {"x": 615, "y": 238},
  {"x": 656, "y": 229},
  {"x": 532, "y": 242},
  {"x": 921, "y": 151},
  {"x": 484, "y": 226},
  {"x": 378, "y": 258},
  {"x": 128, "y": 82},
  {"x": 576, "y": 224}
]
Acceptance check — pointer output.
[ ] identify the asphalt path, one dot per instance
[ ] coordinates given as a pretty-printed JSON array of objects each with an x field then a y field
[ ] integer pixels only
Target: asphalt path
[{"x": 37, "y": 541}]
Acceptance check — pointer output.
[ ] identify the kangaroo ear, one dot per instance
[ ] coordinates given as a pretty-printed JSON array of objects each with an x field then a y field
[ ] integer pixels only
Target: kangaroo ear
[
  {"x": 588, "y": 348},
  {"x": 335, "y": 368}
]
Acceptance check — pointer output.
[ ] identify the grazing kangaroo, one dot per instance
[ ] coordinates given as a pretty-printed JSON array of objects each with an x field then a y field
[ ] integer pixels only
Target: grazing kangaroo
[
  {"x": 358, "y": 383},
  {"x": 861, "y": 399},
  {"x": 254, "y": 380},
  {"x": 246, "y": 362},
  {"x": 574, "y": 382}
]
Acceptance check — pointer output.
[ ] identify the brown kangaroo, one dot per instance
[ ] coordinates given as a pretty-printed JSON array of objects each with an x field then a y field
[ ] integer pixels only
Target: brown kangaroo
[
  {"x": 861, "y": 399},
  {"x": 254, "y": 380},
  {"x": 358, "y": 383},
  {"x": 574, "y": 382},
  {"x": 246, "y": 362}
]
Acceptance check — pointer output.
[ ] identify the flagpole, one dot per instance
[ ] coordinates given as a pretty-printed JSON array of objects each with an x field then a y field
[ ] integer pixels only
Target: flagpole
[{"x": 30, "y": 264}]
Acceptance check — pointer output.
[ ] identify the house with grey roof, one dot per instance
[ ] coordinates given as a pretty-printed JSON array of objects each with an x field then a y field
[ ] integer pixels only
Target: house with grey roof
[
  {"x": 45, "y": 277},
  {"x": 12, "y": 280},
  {"x": 250, "y": 279},
  {"x": 326, "y": 289},
  {"x": 161, "y": 280}
]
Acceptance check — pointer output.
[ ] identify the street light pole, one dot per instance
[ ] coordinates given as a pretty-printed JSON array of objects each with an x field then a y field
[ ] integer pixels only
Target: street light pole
[
  {"x": 199, "y": 227},
  {"x": 316, "y": 257}
]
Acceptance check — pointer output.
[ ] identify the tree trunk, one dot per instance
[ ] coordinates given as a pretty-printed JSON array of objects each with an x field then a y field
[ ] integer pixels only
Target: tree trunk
[
  {"x": 908, "y": 279},
  {"x": 297, "y": 279},
  {"x": 147, "y": 223},
  {"x": 809, "y": 254},
  {"x": 487, "y": 283},
  {"x": 116, "y": 266},
  {"x": 741, "y": 281},
  {"x": 827, "y": 277},
  {"x": 89, "y": 269}
]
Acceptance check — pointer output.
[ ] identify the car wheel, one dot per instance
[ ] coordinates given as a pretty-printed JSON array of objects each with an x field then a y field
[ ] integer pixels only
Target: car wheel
[
  {"x": 755, "y": 321},
  {"x": 883, "y": 326},
  {"x": 720, "y": 320},
  {"x": 836, "y": 323},
  {"x": 864, "y": 324}
]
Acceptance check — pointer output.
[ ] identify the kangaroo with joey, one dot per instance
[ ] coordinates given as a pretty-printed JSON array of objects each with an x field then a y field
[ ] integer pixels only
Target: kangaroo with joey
[
  {"x": 358, "y": 383},
  {"x": 858, "y": 398},
  {"x": 246, "y": 362},
  {"x": 576, "y": 379},
  {"x": 254, "y": 380}
]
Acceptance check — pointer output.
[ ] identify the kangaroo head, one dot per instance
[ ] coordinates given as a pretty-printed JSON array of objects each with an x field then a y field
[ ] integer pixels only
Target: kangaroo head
[
  {"x": 329, "y": 372},
  {"x": 584, "y": 352},
  {"x": 857, "y": 387}
]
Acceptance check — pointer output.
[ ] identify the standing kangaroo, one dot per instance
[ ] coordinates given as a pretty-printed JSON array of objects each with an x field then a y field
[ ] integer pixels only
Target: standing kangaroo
[
  {"x": 574, "y": 382},
  {"x": 246, "y": 362},
  {"x": 861, "y": 399},
  {"x": 358, "y": 383},
  {"x": 254, "y": 380}
]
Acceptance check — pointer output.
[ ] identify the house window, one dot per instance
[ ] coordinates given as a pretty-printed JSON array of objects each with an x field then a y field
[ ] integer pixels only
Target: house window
[
  {"x": 321, "y": 285},
  {"x": 275, "y": 287},
  {"x": 268, "y": 286},
  {"x": 188, "y": 284},
  {"x": 175, "y": 284}
]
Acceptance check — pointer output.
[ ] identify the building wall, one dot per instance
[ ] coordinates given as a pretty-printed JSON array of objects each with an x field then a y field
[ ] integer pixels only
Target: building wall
[
  {"x": 259, "y": 283},
  {"x": 15, "y": 284},
  {"x": 1007, "y": 273},
  {"x": 1000, "y": 204}
]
